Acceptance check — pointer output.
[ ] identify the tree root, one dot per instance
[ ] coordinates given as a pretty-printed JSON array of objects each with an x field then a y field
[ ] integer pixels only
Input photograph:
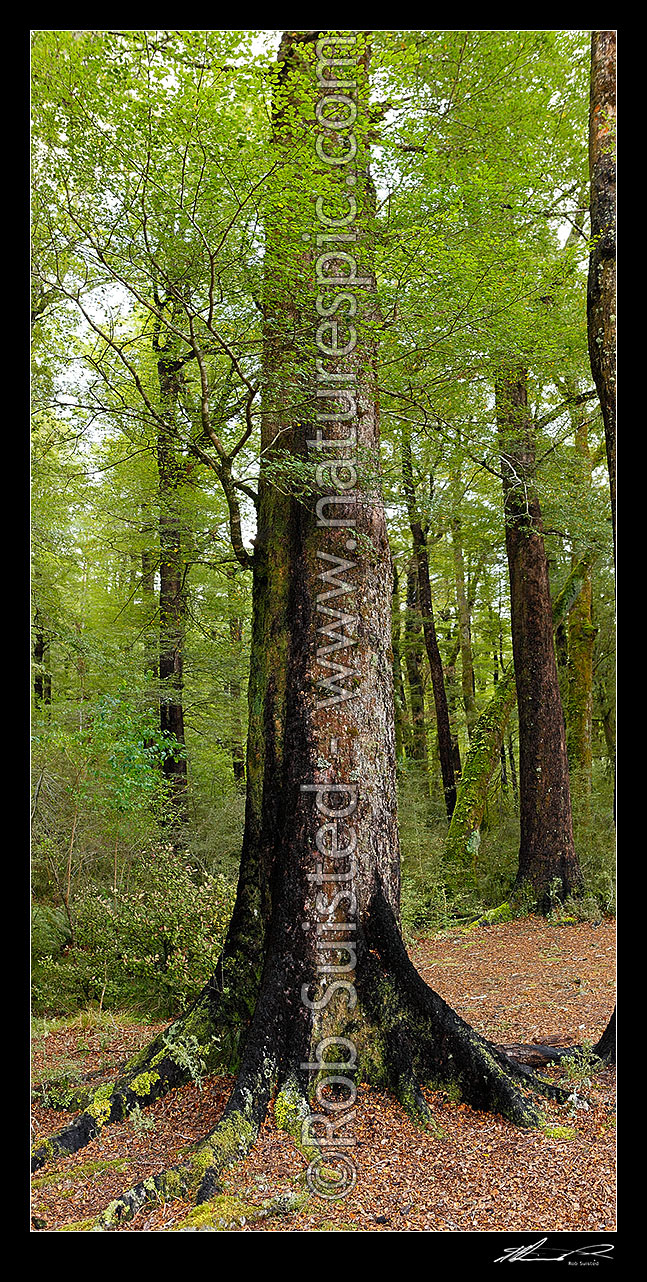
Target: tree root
[
  {"x": 230, "y": 1141},
  {"x": 537, "y": 1054},
  {"x": 425, "y": 1042},
  {"x": 202, "y": 1041},
  {"x": 550, "y": 1052}
]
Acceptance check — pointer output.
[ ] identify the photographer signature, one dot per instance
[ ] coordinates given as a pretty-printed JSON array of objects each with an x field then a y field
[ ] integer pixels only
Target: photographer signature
[{"x": 538, "y": 1251}]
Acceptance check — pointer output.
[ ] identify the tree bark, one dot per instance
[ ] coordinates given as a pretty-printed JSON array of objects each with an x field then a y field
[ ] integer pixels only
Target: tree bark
[
  {"x": 463, "y": 837},
  {"x": 601, "y": 291},
  {"x": 403, "y": 744},
  {"x": 579, "y": 733},
  {"x": 548, "y": 862},
  {"x": 172, "y": 595},
  {"x": 234, "y": 683},
  {"x": 42, "y": 674},
  {"x": 451, "y": 686},
  {"x": 413, "y": 660},
  {"x": 445, "y": 747},
  {"x": 468, "y": 684}
]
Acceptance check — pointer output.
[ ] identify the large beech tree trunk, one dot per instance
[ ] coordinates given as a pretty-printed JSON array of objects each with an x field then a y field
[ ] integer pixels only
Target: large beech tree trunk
[
  {"x": 486, "y": 746},
  {"x": 548, "y": 862},
  {"x": 314, "y": 950}
]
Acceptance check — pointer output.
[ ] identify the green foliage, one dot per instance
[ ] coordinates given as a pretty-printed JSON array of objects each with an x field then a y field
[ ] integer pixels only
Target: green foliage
[
  {"x": 151, "y": 948},
  {"x": 50, "y": 931},
  {"x": 581, "y": 1065},
  {"x": 190, "y": 1054},
  {"x": 141, "y": 1121}
]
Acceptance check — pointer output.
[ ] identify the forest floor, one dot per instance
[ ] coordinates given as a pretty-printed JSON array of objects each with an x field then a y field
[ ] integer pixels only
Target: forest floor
[{"x": 518, "y": 981}]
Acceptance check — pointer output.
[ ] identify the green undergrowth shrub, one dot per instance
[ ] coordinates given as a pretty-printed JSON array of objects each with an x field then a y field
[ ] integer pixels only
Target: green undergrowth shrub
[
  {"x": 50, "y": 930},
  {"x": 149, "y": 948},
  {"x": 595, "y": 838},
  {"x": 422, "y": 828},
  {"x": 217, "y": 834},
  {"x": 437, "y": 894}
]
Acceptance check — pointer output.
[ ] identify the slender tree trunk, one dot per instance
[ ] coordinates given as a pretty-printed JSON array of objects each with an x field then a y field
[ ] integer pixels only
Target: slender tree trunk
[
  {"x": 413, "y": 662},
  {"x": 468, "y": 684},
  {"x": 513, "y": 770},
  {"x": 495, "y": 679},
  {"x": 579, "y": 734},
  {"x": 502, "y": 756},
  {"x": 403, "y": 744},
  {"x": 547, "y": 858},
  {"x": 149, "y": 566},
  {"x": 608, "y": 718},
  {"x": 581, "y": 630},
  {"x": 172, "y": 594},
  {"x": 447, "y": 751},
  {"x": 464, "y": 836},
  {"x": 451, "y": 686},
  {"x": 234, "y": 682},
  {"x": 601, "y": 300},
  {"x": 42, "y": 674},
  {"x": 419, "y": 536},
  {"x": 150, "y": 561}
]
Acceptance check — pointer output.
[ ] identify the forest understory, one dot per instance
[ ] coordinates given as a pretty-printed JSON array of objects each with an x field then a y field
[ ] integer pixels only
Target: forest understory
[{"x": 518, "y": 981}]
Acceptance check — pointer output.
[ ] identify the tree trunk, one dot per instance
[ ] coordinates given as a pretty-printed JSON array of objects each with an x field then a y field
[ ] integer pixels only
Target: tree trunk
[
  {"x": 42, "y": 674},
  {"x": 451, "y": 687},
  {"x": 234, "y": 683},
  {"x": 413, "y": 659},
  {"x": 419, "y": 536},
  {"x": 149, "y": 566},
  {"x": 608, "y": 717},
  {"x": 579, "y": 734},
  {"x": 547, "y": 859},
  {"x": 172, "y": 596},
  {"x": 468, "y": 684},
  {"x": 403, "y": 745},
  {"x": 601, "y": 292},
  {"x": 463, "y": 838}
]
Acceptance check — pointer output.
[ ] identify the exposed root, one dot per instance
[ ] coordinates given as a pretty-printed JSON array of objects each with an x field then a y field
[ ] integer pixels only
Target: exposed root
[
  {"x": 198, "y": 1043},
  {"x": 549, "y": 1052},
  {"x": 605, "y": 1048},
  {"x": 198, "y": 1177},
  {"x": 536, "y": 1054},
  {"x": 414, "y": 1103},
  {"x": 424, "y": 1041},
  {"x": 226, "y": 1212},
  {"x": 293, "y": 1114}
]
